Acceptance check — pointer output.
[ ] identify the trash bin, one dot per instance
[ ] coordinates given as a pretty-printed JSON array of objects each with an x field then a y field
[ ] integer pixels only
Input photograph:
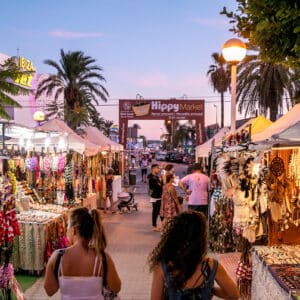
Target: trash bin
[{"x": 132, "y": 177}]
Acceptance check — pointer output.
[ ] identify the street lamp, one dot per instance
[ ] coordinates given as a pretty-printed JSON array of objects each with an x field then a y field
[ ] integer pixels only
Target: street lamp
[{"x": 234, "y": 50}]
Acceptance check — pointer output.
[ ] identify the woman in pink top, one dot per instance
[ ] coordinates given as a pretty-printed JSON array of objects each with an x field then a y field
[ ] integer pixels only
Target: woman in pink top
[{"x": 84, "y": 266}]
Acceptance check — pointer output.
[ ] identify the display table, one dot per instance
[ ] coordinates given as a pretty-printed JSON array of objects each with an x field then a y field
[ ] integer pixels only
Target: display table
[
  {"x": 275, "y": 272},
  {"x": 90, "y": 201},
  {"x": 41, "y": 233}
]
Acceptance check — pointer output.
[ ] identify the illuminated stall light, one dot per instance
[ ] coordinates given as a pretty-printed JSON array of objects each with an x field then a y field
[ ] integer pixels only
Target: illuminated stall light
[
  {"x": 28, "y": 144},
  {"x": 47, "y": 142},
  {"x": 61, "y": 144},
  {"x": 21, "y": 142}
]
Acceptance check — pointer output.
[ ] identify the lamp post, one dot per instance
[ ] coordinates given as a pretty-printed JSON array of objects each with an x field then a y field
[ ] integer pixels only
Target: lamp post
[{"x": 234, "y": 51}]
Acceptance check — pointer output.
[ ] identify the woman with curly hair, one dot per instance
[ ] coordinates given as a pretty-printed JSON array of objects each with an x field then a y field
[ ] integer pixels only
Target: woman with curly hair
[{"x": 180, "y": 265}]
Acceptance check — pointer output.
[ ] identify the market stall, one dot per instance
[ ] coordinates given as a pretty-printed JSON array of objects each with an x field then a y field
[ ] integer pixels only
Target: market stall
[
  {"x": 111, "y": 157},
  {"x": 225, "y": 138}
]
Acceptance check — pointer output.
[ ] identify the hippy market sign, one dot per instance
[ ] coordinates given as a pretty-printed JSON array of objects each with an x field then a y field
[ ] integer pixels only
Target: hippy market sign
[{"x": 157, "y": 109}]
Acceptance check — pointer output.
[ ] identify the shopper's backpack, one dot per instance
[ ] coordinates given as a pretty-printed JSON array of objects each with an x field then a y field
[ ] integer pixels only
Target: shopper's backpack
[{"x": 203, "y": 292}]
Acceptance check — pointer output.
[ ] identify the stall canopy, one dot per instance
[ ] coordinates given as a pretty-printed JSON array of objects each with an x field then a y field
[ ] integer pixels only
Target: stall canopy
[
  {"x": 74, "y": 141},
  {"x": 286, "y": 121},
  {"x": 290, "y": 134},
  {"x": 205, "y": 149},
  {"x": 258, "y": 124},
  {"x": 94, "y": 135}
]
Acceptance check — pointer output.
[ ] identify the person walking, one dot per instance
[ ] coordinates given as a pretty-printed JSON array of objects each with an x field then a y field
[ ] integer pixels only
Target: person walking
[
  {"x": 84, "y": 270},
  {"x": 197, "y": 186},
  {"x": 155, "y": 192},
  {"x": 170, "y": 205},
  {"x": 144, "y": 166},
  {"x": 109, "y": 178},
  {"x": 180, "y": 266}
]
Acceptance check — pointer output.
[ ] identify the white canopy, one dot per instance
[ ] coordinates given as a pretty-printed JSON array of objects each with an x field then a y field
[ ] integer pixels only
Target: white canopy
[
  {"x": 75, "y": 142},
  {"x": 286, "y": 121},
  {"x": 290, "y": 134},
  {"x": 205, "y": 149},
  {"x": 94, "y": 135}
]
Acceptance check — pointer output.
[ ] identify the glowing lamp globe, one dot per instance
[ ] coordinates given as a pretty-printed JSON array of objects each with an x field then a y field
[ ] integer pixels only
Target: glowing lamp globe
[
  {"x": 39, "y": 116},
  {"x": 234, "y": 50}
]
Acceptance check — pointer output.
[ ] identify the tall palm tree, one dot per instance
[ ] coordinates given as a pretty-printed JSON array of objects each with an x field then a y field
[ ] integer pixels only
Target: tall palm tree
[
  {"x": 219, "y": 77},
  {"x": 107, "y": 127},
  {"x": 9, "y": 72},
  {"x": 265, "y": 86},
  {"x": 79, "y": 80}
]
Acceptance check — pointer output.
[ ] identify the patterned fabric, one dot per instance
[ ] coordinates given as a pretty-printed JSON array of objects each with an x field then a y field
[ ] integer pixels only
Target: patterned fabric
[{"x": 168, "y": 208}]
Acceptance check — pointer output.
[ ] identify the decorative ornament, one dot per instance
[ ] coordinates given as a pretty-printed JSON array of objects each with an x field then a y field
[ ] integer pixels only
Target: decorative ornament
[{"x": 277, "y": 166}]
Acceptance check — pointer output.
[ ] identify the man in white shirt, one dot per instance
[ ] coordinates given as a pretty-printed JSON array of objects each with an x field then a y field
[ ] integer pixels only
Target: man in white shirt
[{"x": 197, "y": 185}]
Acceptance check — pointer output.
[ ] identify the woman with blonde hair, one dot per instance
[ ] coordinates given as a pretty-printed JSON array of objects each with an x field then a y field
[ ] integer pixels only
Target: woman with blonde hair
[{"x": 83, "y": 269}]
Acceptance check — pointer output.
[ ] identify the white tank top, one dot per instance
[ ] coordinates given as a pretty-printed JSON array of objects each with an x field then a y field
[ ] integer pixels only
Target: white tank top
[{"x": 81, "y": 287}]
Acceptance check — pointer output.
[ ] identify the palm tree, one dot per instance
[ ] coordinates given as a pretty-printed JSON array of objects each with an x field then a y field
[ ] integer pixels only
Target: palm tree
[
  {"x": 107, "y": 127},
  {"x": 185, "y": 133},
  {"x": 55, "y": 109},
  {"x": 9, "y": 72},
  {"x": 265, "y": 86},
  {"x": 219, "y": 77},
  {"x": 78, "y": 79}
]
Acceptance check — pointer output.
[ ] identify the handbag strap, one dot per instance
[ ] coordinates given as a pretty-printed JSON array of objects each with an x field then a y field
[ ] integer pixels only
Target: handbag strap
[
  {"x": 104, "y": 262},
  {"x": 57, "y": 263}
]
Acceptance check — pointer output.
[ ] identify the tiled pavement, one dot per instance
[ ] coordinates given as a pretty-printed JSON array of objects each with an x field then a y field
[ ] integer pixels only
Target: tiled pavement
[{"x": 130, "y": 240}]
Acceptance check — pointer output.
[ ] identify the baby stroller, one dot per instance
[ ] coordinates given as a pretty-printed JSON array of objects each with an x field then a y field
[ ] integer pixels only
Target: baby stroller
[{"x": 126, "y": 200}]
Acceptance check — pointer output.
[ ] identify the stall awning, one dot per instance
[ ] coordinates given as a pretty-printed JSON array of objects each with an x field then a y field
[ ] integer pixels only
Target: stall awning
[
  {"x": 258, "y": 124},
  {"x": 205, "y": 149},
  {"x": 286, "y": 121},
  {"x": 290, "y": 134},
  {"x": 56, "y": 125},
  {"x": 96, "y": 136}
]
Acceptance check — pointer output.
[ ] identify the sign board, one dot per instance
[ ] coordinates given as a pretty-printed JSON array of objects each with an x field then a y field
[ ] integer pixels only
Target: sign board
[
  {"x": 25, "y": 65},
  {"x": 157, "y": 109}
]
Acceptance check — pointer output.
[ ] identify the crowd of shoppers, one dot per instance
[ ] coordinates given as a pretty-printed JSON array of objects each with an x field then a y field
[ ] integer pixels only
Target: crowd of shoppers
[{"x": 179, "y": 262}]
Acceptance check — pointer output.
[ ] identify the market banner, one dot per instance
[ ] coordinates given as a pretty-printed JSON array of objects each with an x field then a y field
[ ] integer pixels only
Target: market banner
[{"x": 157, "y": 109}]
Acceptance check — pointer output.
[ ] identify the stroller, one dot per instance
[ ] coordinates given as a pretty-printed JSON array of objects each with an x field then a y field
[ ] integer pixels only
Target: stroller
[{"x": 126, "y": 200}]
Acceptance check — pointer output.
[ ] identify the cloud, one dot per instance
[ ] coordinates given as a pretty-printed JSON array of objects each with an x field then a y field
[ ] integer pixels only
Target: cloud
[
  {"x": 152, "y": 80},
  {"x": 210, "y": 22},
  {"x": 75, "y": 34}
]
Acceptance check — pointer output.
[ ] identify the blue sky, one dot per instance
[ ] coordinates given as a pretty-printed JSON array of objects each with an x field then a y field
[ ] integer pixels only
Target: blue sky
[{"x": 154, "y": 48}]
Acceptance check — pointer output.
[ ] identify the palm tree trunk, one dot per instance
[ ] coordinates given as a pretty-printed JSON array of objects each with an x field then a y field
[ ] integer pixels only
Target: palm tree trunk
[
  {"x": 222, "y": 109},
  {"x": 273, "y": 108}
]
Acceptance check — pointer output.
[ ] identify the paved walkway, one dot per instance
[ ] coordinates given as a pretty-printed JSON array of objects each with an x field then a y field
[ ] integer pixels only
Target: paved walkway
[{"x": 130, "y": 240}]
